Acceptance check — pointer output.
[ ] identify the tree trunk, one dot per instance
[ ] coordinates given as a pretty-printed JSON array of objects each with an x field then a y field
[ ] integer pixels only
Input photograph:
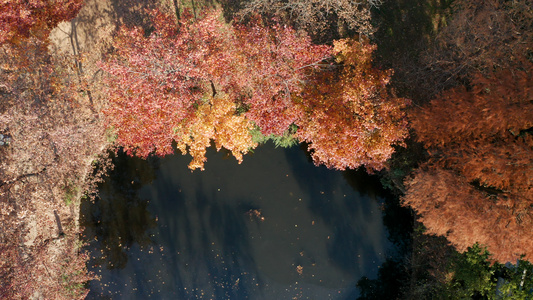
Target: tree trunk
[{"x": 177, "y": 9}]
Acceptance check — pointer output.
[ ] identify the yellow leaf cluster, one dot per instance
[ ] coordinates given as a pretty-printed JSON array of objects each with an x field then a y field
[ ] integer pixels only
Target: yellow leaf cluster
[{"x": 216, "y": 121}]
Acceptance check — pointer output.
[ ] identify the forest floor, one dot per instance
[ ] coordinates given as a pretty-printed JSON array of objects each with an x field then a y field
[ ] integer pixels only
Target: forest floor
[
  {"x": 48, "y": 167},
  {"x": 83, "y": 37}
]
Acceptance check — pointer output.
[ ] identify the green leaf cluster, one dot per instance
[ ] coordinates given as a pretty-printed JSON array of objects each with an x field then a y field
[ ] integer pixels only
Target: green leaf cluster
[
  {"x": 473, "y": 276},
  {"x": 286, "y": 140}
]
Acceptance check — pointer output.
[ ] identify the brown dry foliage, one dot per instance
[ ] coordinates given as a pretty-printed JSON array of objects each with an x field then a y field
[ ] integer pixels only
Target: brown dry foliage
[
  {"x": 449, "y": 206},
  {"x": 481, "y": 132},
  {"x": 478, "y": 184},
  {"x": 434, "y": 51},
  {"x": 316, "y": 16},
  {"x": 481, "y": 36}
]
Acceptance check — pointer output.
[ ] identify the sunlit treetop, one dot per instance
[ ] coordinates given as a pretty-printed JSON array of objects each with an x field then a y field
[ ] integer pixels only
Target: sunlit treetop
[
  {"x": 179, "y": 83},
  {"x": 159, "y": 84},
  {"x": 351, "y": 117},
  {"x": 215, "y": 120},
  {"x": 477, "y": 186}
]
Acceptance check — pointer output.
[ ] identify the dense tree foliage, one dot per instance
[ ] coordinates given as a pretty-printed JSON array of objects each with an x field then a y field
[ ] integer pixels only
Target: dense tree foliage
[
  {"x": 350, "y": 118},
  {"x": 22, "y": 18},
  {"x": 473, "y": 275},
  {"x": 160, "y": 85},
  {"x": 216, "y": 120},
  {"x": 478, "y": 185},
  {"x": 206, "y": 80}
]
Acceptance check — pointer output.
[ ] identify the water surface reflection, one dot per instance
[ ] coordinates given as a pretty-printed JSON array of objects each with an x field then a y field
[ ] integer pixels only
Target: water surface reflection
[{"x": 274, "y": 227}]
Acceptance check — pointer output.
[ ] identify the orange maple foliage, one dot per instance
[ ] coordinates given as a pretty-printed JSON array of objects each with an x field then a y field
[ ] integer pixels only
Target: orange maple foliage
[
  {"x": 481, "y": 149},
  {"x": 22, "y": 18},
  {"x": 351, "y": 118}
]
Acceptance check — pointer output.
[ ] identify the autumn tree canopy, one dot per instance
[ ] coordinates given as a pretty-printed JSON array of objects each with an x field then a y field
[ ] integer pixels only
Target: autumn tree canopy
[
  {"x": 22, "y": 18},
  {"x": 351, "y": 119},
  {"x": 207, "y": 80},
  {"x": 160, "y": 85},
  {"x": 478, "y": 185}
]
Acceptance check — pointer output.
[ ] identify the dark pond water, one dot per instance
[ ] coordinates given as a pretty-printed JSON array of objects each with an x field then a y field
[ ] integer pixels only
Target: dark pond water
[{"x": 274, "y": 227}]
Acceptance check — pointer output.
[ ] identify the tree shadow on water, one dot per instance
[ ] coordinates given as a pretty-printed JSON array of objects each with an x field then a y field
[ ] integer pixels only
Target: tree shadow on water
[
  {"x": 365, "y": 184},
  {"x": 117, "y": 218},
  {"x": 208, "y": 241},
  {"x": 348, "y": 218},
  {"x": 236, "y": 265}
]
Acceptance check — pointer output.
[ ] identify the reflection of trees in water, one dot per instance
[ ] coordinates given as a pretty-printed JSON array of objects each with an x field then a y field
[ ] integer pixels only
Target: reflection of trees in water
[
  {"x": 211, "y": 237},
  {"x": 229, "y": 225},
  {"x": 338, "y": 214},
  {"x": 347, "y": 240},
  {"x": 118, "y": 218},
  {"x": 204, "y": 247}
]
